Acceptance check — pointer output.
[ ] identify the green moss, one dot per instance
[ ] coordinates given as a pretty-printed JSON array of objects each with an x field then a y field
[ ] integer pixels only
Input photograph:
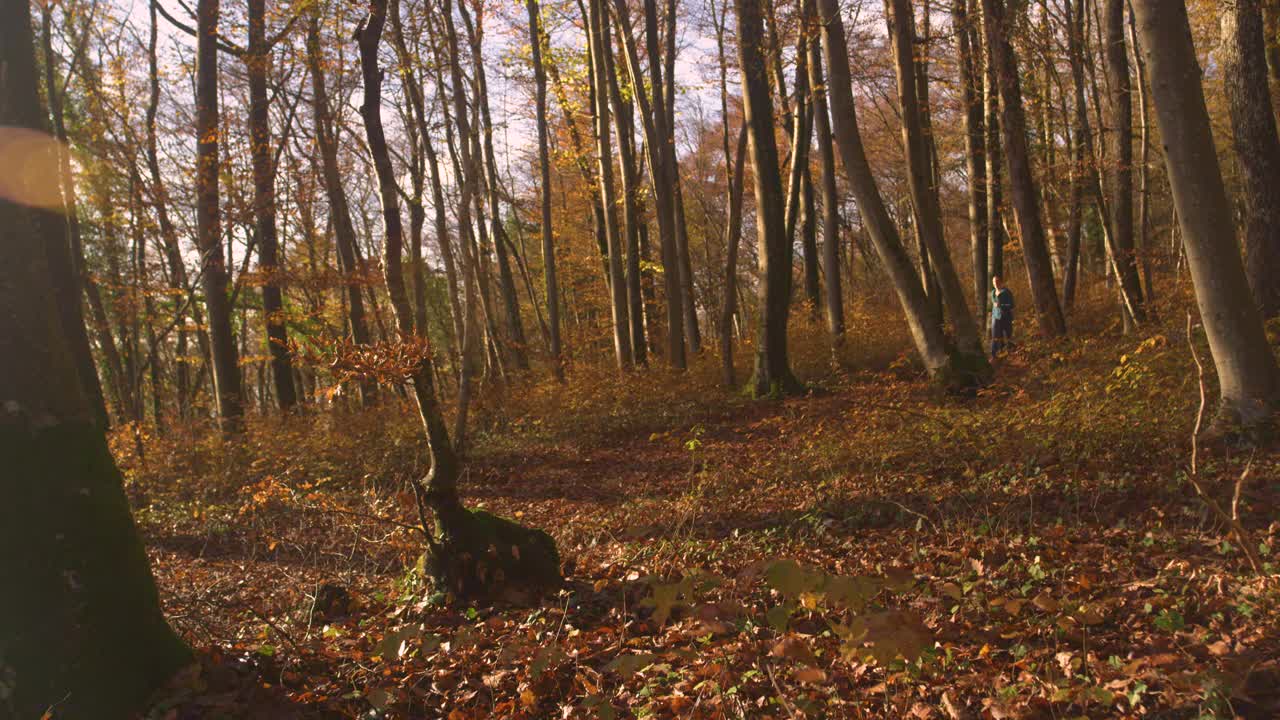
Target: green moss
[
  {"x": 80, "y": 621},
  {"x": 481, "y": 555},
  {"x": 964, "y": 372}
]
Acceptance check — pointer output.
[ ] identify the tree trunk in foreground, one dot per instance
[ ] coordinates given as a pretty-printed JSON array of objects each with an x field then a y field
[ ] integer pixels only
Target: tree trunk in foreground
[
  {"x": 1257, "y": 147},
  {"x": 80, "y": 623},
  {"x": 773, "y": 371},
  {"x": 1247, "y": 375}
]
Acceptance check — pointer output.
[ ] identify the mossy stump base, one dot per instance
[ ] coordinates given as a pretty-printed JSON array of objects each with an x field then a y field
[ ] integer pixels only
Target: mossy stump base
[
  {"x": 482, "y": 556},
  {"x": 964, "y": 373}
]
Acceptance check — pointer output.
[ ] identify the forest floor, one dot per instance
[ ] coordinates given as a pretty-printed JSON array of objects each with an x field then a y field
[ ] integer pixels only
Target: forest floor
[{"x": 873, "y": 549}]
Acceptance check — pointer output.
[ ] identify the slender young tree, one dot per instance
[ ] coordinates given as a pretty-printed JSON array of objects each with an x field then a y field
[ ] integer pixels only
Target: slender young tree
[
  {"x": 471, "y": 554},
  {"x": 1248, "y": 381},
  {"x": 217, "y": 297},
  {"x": 1257, "y": 146},
  {"x": 1121, "y": 168},
  {"x": 975, "y": 148},
  {"x": 830, "y": 196},
  {"x": 81, "y": 628},
  {"x": 663, "y": 172},
  {"x": 339, "y": 208},
  {"x": 544, "y": 190},
  {"x": 65, "y": 258},
  {"x": 1035, "y": 250},
  {"x": 598, "y": 34},
  {"x": 257, "y": 59}
]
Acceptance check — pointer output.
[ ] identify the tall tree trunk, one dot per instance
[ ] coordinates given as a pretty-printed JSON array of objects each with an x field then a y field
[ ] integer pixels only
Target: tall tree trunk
[
  {"x": 995, "y": 161},
  {"x": 773, "y": 370},
  {"x": 733, "y": 238},
  {"x": 632, "y": 219},
  {"x": 621, "y": 322},
  {"x": 257, "y": 59},
  {"x": 339, "y": 210},
  {"x": 663, "y": 173},
  {"x": 225, "y": 358},
  {"x": 1257, "y": 147},
  {"x": 1126, "y": 265},
  {"x": 81, "y": 624},
  {"x": 975, "y": 149},
  {"x": 1082, "y": 174},
  {"x": 544, "y": 168},
  {"x": 925, "y": 333},
  {"x": 830, "y": 197},
  {"x": 1247, "y": 377},
  {"x": 1035, "y": 252},
  {"x": 445, "y": 464},
  {"x": 1143, "y": 244},
  {"x": 518, "y": 343},
  {"x": 924, "y": 194}
]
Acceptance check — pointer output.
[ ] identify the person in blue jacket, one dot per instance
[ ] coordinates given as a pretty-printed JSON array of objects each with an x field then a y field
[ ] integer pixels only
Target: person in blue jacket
[{"x": 1001, "y": 315}]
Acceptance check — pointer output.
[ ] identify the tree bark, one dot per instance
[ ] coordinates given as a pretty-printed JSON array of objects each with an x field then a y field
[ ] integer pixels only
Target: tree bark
[
  {"x": 257, "y": 59},
  {"x": 662, "y": 171},
  {"x": 733, "y": 238},
  {"x": 925, "y": 333},
  {"x": 599, "y": 38},
  {"x": 1035, "y": 251},
  {"x": 1257, "y": 147},
  {"x": 773, "y": 371},
  {"x": 339, "y": 210},
  {"x": 1247, "y": 375},
  {"x": 225, "y": 358},
  {"x": 975, "y": 149},
  {"x": 1121, "y": 168},
  {"x": 924, "y": 193},
  {"x": 544, "y": 168},
  {"x": 830, "y": 196},
  {"x": 81, "y": 624},
  {"x": 65, "y": 257}
]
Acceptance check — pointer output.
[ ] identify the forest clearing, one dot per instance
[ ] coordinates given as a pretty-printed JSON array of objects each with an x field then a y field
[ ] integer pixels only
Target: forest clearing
[{"x": 612, "y": 359}]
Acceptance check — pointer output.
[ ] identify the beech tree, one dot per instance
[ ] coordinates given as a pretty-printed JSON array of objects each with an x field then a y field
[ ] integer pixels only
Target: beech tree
[
  {"x": 213, "y": 261},
  {"x": 926, "y": 332},
  {"x": 80, "y": 623},
  {"x": 1248, "y": 383},
  {"x": 1257, "y": 145},
  {"x": 772, "y": 369},
  {"x": 1013, "y": 124}
]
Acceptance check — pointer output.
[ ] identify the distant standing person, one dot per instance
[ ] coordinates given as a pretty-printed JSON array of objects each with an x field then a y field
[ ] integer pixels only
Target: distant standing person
[{"x": 1001, "y": 315}]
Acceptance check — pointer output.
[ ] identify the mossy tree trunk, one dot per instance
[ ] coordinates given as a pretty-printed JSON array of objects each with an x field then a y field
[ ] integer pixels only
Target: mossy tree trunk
[{"x": 80, "y": 620}]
